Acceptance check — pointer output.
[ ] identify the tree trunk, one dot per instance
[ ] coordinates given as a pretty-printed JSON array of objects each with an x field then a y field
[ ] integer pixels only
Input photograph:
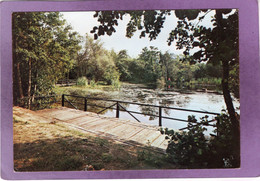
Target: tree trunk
[
  {"x": 16, "y": 68},
  {"x": 227, "y": 96},
  {"x": 231, "y": 111},
  {"x": 19, "y": 81},
  {"x": 29, "y": 82}
]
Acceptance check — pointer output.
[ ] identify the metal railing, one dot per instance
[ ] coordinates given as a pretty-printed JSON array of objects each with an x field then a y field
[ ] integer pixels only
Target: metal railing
[{"x": 119, "y": 107}]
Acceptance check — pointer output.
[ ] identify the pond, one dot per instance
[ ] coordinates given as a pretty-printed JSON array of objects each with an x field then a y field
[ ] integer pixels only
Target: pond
[{"x": 205, "y": 101}]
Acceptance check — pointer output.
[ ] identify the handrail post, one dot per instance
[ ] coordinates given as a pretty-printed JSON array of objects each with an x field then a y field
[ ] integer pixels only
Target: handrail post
[
  {"x": 62, "y": 101},
  {"x": 160, "y": 116},
  {"x": 217, "y": 127},
  {"x": 86, "y": 104},
  {"x": 117, "y": 109}
]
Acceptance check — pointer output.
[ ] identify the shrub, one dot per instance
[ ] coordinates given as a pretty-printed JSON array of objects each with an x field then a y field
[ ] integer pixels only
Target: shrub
[
  {"x": 93, "y": 83},
  {"x": 150, "y": 158},
  {"x": 82, "y": 81},
  {"x": 191, "y": 148},
  {"x": 160, "y": 83},
  {"x": 187, "y": 148},
  {"x": 223, "y": 146},
  {"x": 106, "y": 157},
  {"x": 116, "y": 84},
  {"x": 112, "y": 77}
]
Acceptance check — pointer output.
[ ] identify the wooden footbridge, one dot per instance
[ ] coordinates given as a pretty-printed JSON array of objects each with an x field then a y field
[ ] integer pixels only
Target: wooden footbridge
[
  {"x": 132, "y": 132},
  {"x": 119, "y": 130}
]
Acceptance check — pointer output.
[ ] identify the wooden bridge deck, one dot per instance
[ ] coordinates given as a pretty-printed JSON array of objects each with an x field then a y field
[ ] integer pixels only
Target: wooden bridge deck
[{"x": 124, "y": 131}]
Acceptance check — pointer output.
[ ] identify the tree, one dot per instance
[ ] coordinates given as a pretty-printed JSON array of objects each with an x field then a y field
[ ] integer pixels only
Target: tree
[
  {"x": 44, "y": 49},
  {"x": 152, "y": 69},
  {"x": 123, "y": 61},
  {"x": 95, "y": 62},
  {"x": 217, "y": 44}
]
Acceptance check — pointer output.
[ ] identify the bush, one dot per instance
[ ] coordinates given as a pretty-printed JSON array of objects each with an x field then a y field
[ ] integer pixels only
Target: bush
[
  {"x": 160, "y": 83},
  {"x": 93, "y": 83},
  {"x": 82, "y": 81},
  {"x": 192, "y": 149},
  {"x": 223, "y": 146},
  {"x": 187, "y": 148},
  {"x": 116, "y": 84},
  {"x": 112, "y": 77}
]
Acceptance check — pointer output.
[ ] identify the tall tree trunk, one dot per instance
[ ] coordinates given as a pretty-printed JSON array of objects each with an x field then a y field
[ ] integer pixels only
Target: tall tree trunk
[
  {"x": 29, "y": 82},
  {"x": 19, "y": 81},
  {"x": 16, "y": 68},
  {"x": 35, "y": 86},
  {"x": 231, "y": 111},
  {"x": 227, "y": 96}
]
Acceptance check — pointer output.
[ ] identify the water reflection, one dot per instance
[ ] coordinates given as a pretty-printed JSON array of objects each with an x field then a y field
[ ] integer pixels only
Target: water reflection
[{"x": 202, "y": 101}]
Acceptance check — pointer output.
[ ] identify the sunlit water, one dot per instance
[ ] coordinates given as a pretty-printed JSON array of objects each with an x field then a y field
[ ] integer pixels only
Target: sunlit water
[{"x": 201, "y": 101}]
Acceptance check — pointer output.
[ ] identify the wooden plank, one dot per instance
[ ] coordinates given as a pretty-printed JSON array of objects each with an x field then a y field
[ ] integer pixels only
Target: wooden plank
[
  {"x": 131, "y": 131},
  {"x": 158, "y": 141},
  {"x": 102, "y": 127},
  {"x": 109, "y": 126},
  {"x": 65, "y": 116},
  {"x": 153, "y": 136},
  {"x": 164, "y": 144},
  {"x": 118, "y": 129},
  {"x": 83, "y": 120},
  {"x": 141, "y": 137},
  {"x": 50, "y": 112},
  {"x": 94, "y": 124}
]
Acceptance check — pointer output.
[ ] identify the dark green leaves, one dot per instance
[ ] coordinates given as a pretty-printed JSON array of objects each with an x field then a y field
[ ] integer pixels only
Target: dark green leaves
[{"x": 189, "y": 14}]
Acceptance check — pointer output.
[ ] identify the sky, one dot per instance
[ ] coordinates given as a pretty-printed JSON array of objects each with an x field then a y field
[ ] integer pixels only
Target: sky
[{"x": 83, "y": 22}]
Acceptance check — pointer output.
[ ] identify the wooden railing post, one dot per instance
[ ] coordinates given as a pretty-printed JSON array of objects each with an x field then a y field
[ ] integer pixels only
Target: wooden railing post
[
  {"x": 217, "y": 125},
  {"x": 62, "y": 101},
  {"x": 86, "y": 104},
  {"x": 117, "y": 109},
  {"x": 160, "y": 116}
]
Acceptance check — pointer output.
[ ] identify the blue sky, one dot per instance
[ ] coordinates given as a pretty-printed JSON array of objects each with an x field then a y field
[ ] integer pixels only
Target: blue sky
[{"x": 83, "y": 22}]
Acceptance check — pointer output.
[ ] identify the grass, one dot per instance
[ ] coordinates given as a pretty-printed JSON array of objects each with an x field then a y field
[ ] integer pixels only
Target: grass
[
  {"x": 40, "y": 146},
  {"x": 97, "y": 90}
]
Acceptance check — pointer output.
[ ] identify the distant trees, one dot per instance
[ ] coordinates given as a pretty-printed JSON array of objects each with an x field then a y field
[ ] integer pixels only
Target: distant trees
[
  {"x": 154, "y": 67},
  {"x": 123, "y": 62},
  {"x": 96, "y": 63},
  {"x": 44, "y": 50}
]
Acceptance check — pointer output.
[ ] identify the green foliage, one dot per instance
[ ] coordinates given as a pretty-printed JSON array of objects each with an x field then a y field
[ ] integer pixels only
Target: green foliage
[
  {"x": 44, "y": 49},
  {"x": 224, "y": 145},
  {"x": 152, "y": 68},
  {"x": 111, "y": 76},
  {"x": 92, "y": 83},
  {"x": 82, "y": 81},
  {"x": 234, "y": 80},
  {"x": 191, "y": 148},
  {"x": 106, "y": 157},
  {"x": 160, "y": 83},
  {"x": 150, "y": 158},
  {"x": 96, "y": 63},
  {"x": 123, "y": 62},
  {"x": 152, "y": 65},
  {"x": 67, "y": 162},
  {"x": 108, "y": 21},
  {"x": 187, "y": 148}
]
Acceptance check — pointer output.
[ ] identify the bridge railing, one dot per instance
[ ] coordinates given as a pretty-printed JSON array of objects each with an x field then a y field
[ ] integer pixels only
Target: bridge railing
[{"x": 117, "y": 105}]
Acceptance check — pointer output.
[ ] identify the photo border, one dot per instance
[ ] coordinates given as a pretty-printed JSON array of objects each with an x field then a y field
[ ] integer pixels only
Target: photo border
[{"x": 249, "y": 86}]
